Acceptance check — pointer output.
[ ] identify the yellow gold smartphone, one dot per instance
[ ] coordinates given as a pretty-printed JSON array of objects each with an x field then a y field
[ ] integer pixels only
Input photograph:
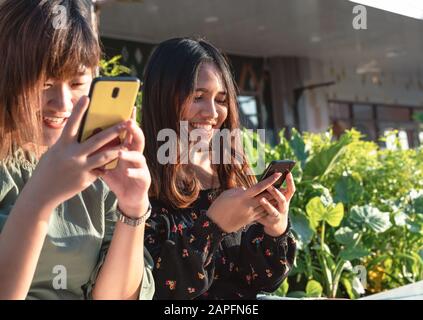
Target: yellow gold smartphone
[{"x": 112, "y": 100}]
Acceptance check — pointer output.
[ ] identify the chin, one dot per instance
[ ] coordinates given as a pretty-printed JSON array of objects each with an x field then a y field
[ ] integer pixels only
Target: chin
[{"x": 50, "y": 140}]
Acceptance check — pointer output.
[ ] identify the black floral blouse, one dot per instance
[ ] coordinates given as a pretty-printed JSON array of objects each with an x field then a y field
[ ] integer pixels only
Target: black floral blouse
[{"x": 195, "y": 259}]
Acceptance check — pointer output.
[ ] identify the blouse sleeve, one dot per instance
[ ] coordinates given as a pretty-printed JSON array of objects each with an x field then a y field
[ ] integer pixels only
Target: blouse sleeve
[
  {"x": 183, "y": 249},
  {"x": 265, "y": 261},
  {"x": 13, "y": 175},
  {"x": 7, "y": 195},
  {"x": 147, "y": 285}
]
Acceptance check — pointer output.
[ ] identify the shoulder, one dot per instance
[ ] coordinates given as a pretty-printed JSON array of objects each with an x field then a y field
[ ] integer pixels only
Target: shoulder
[
  {"x": 15, "y": 171},
  {"x": 19, "y": 163}
]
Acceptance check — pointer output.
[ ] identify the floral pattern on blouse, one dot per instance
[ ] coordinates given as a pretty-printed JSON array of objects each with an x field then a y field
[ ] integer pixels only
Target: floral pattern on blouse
[{"x": 195, "y": 259}]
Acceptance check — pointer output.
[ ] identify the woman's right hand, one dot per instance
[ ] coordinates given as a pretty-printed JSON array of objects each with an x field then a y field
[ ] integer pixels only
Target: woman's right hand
[
  {"x": 69, "y": 167},
  {"x": 238, "y": 207}
]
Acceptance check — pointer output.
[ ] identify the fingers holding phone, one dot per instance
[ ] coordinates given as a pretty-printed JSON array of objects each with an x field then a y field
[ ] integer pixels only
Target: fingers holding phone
[
  {"x": 275, "y": 201},
  {"x": 134, "y": 139},
  {"x": 103, "y": 139},
  {"x": 290, "y": 189},
  {"x": 235, "y": 208},
  {"x": 263, "y": 184},
  {"x": 131, "y": 179},
  {"x": 275, "y": 218}
]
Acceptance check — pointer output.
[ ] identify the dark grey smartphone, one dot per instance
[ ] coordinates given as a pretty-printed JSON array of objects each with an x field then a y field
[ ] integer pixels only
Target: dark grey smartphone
[{"x": 282, "y": 166}]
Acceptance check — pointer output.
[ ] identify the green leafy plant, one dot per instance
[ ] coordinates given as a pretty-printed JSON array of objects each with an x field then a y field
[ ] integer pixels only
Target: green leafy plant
[
  {"x": 113, "y": 67},
  {"x": 356, "y": 206}
]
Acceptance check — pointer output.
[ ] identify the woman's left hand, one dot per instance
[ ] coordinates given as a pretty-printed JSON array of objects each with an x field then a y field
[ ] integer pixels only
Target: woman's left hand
[
  {"x": 131, "y": 179},
  {"x": 275, "y": 211}
]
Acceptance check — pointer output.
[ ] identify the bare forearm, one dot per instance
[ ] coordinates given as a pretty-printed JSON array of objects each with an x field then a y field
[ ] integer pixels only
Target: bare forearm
[
  {"x": 21, "y": 241},
  {"x": 121, "y": 275}
]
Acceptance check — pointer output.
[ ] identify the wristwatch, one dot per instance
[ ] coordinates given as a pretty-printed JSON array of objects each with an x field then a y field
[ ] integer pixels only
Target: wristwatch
[{"x": 133, "y": 222}]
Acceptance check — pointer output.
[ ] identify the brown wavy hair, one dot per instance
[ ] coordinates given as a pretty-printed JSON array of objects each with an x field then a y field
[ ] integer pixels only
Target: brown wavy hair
[
  {"x": 33, "y": 49},
  {"x": 169, "y": 83}
]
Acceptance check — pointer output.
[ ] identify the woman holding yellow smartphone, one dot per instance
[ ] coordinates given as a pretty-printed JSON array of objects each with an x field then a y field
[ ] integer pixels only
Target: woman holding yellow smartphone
[{"x": 68, "y": 230}]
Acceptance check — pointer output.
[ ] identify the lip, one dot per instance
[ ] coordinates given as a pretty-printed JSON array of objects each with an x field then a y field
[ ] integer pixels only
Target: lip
[
  {"x": 55, "y": 125},
  {"x": 201, "y": 123}
]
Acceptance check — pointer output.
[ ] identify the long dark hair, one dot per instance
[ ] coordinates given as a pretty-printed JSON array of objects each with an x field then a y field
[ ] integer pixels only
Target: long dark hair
[
  {"x": 34, "y": 47},
  {"x": 169, "y": 81}
]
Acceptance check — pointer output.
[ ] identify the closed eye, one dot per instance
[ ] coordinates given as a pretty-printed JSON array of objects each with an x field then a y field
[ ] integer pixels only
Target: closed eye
[{"x": 78, "y": 84}]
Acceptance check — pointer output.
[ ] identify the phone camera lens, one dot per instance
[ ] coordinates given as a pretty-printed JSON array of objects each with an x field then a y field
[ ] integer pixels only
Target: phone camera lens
[{"x": 115, "y": 93}]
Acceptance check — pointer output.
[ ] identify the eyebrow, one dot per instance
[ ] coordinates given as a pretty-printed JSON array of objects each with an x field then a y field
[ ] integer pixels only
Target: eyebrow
[{"x": 206, "y": 91}]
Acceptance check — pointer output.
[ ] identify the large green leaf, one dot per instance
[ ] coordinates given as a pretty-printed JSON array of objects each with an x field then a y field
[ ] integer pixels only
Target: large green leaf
[
  {"x": 303, "y": 230},
  {"x": 299, "y": 147},
  {"x": 334, "y": 215},
  {"x": 354, "y": 253},
  {"x": 371, "y": 217},
  {"x": 323, "y": 161},
  {"x": 315, "y": 211},
  {"x": 346, "y": 236},
  {"x": 314, "y": 289},
  {"x": 348, "y": 190},
  {"x": 347, "y": 283},
  {"x": 283, "y": 289}
]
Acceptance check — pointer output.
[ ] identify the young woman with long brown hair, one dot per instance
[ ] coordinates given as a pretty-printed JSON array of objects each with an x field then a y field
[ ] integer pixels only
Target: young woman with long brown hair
[
  {"x": 59, "y": 234},
  {"x": 213, "y": 233}
]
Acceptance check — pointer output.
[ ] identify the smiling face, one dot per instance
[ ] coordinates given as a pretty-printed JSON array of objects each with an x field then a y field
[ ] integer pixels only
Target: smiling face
[
  {"x": 207, "y": 108},
  {"x": 58, "y": 100}
]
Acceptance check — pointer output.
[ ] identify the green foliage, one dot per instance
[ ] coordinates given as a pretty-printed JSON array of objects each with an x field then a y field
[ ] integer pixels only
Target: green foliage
[
  {"x": 113, "y": 67},
  {"x": 356, "y": 205},
  {"x": 314, "y": 289},
  {"x": 419, "y": 116}
]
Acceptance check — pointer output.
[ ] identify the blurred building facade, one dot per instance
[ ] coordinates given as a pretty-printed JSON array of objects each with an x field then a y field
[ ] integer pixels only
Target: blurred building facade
[{"x": 297, "y": 63}]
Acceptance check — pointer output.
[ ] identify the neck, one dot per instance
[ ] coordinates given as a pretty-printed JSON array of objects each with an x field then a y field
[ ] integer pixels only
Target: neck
[{"x": 202, "y": 167}]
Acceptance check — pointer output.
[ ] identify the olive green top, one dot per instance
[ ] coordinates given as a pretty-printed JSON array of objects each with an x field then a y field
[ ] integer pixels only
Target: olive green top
[{"x": 79, "y": 234}]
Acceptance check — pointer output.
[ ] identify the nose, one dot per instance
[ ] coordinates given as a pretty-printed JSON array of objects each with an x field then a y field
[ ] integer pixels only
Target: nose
[
  {"x": 62, "y": 99},
  {"x": 209, "y": 110}
]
